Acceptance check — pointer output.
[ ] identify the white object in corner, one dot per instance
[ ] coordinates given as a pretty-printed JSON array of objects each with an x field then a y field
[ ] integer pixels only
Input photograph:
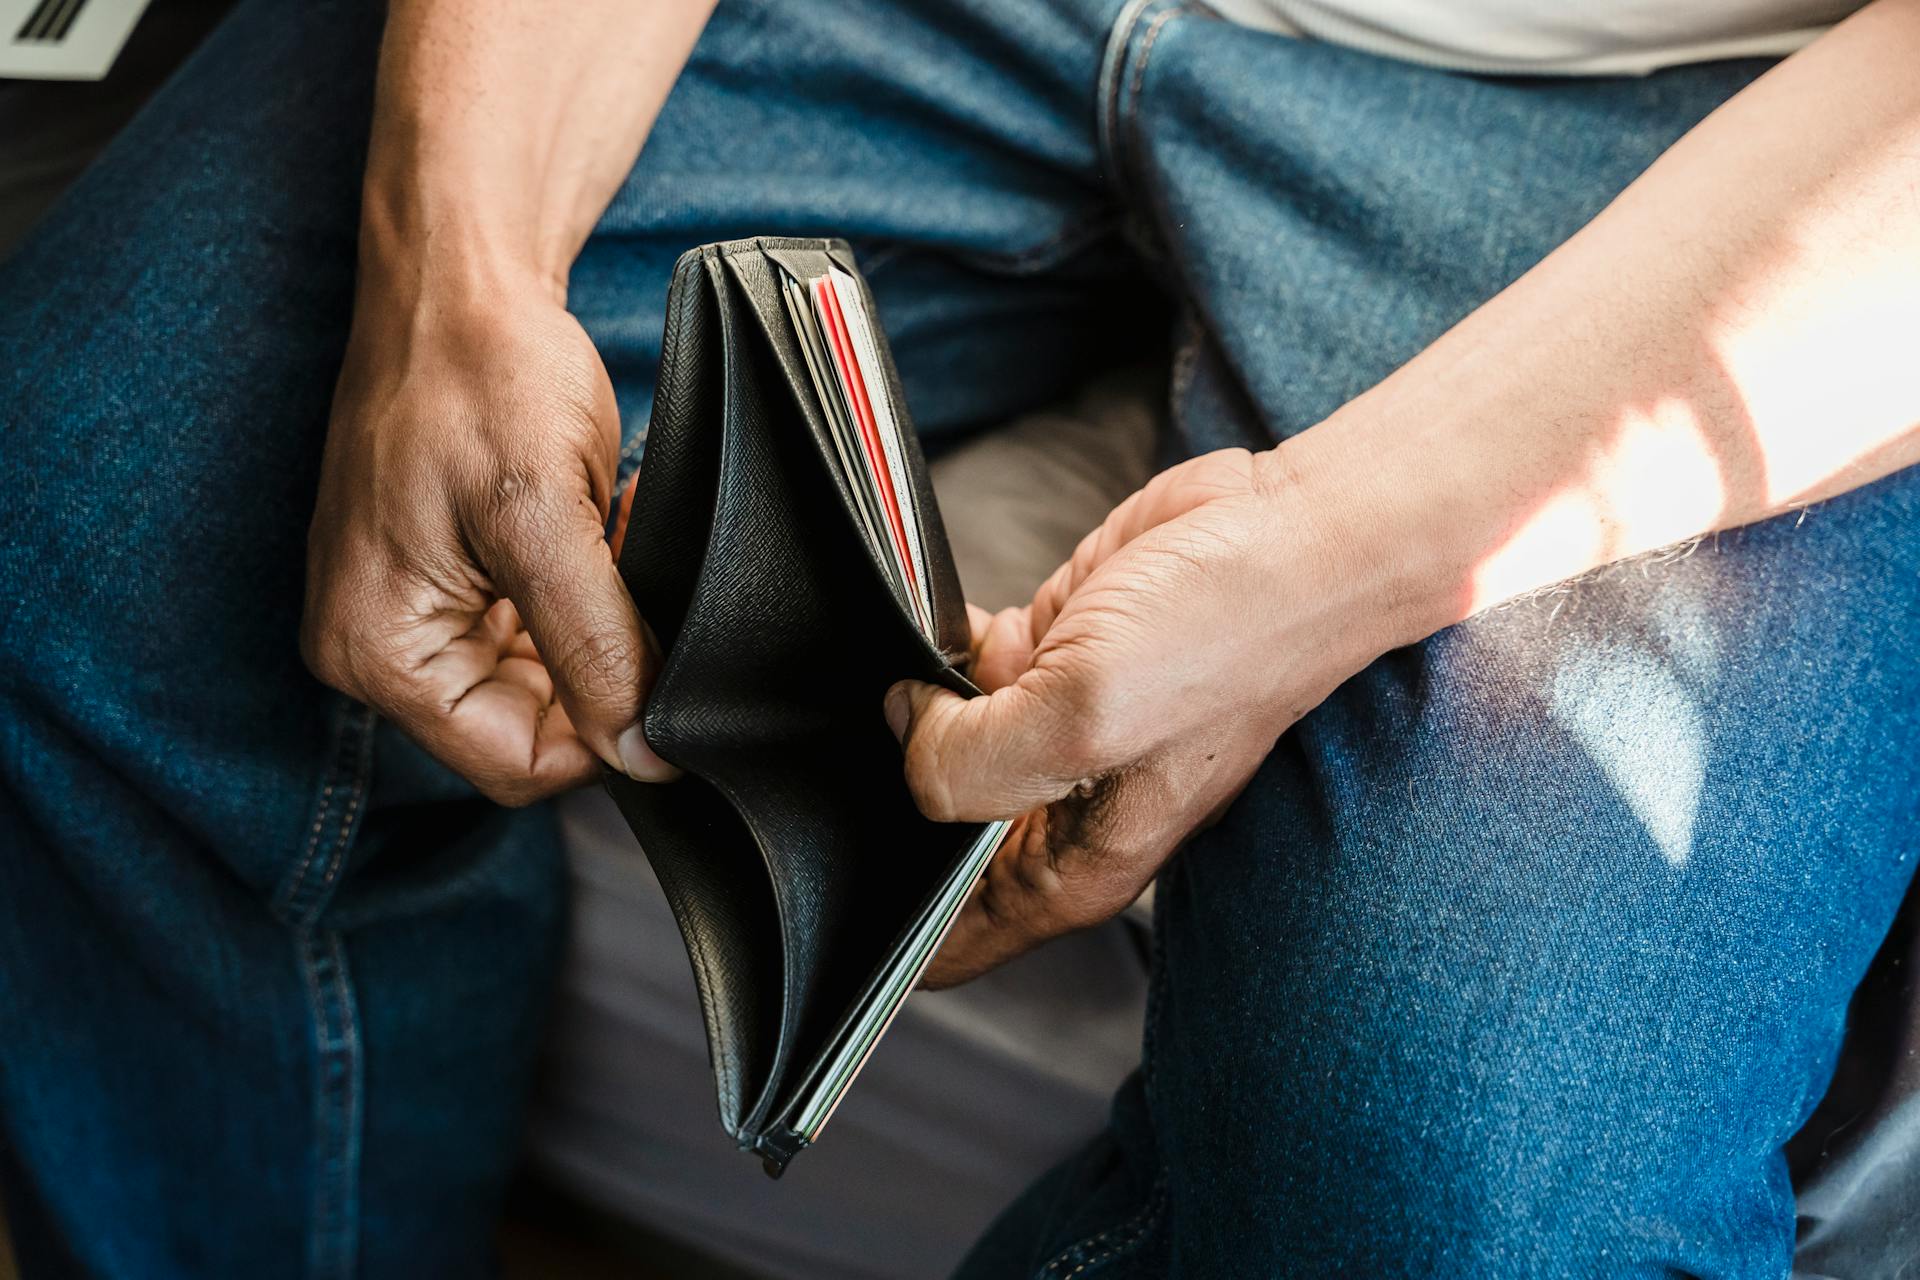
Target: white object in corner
[{"x": 64, "y": 39}]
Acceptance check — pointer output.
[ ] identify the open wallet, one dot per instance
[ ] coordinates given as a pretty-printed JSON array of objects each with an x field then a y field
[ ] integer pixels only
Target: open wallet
[{"x": 786, "y": 550}]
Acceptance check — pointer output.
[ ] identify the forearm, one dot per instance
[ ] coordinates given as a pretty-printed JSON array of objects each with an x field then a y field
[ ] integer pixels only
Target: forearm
[
  {"x": 458, "y": 574},
  {"x": 503, "y": 127},
  {"x": 1737, "y": 334}
]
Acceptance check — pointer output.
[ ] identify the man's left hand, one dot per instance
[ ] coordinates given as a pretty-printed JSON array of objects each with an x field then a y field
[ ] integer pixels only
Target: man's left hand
[{"x": 1135, "y": 697}]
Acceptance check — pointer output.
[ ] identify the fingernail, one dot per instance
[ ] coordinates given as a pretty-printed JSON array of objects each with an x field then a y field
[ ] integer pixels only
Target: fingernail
[
  {"x": 897, "y": 711},
  {"x": 639, "y": 760}
]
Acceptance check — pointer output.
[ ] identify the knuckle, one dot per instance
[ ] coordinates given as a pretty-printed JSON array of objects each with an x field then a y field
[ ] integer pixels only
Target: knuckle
[
  {"x": 1235, "y": 462},
  {"x": 1001, "y": 898},
  {"x": 316, "y": 651},
  {"x": 1068, "y": 889},
  {"x": 510, "y": 793},
  {"x": 602, "y": 664},
  {"x": 344, "y": 645},
  {"x": 1271, "y": 473},
  {"x": 362, "y": 665},
  {"x": 515, "y": 506},
  {"x": 347, "y": 612},
  {"x": 1223, "y": 471},
  {"x": 325, "y": 647},
  {"x": 1104, "y": 883}
]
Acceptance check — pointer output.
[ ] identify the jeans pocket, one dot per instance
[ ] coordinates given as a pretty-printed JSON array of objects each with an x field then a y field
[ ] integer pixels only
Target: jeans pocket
[{"x": 1118, "y": 1250}]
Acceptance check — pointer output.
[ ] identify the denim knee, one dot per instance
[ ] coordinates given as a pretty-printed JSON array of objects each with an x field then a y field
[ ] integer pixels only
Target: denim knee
[{"x": 1427, "y": 1058}]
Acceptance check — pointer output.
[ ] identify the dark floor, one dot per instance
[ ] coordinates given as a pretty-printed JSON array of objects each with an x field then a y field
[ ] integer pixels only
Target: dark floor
[
  {"x": 532, "y": 1248},
  {"x": 547, "y": 1236}
]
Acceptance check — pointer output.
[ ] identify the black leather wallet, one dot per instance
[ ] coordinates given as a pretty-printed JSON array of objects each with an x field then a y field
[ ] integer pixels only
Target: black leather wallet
[{"x": 810, "y": 892}]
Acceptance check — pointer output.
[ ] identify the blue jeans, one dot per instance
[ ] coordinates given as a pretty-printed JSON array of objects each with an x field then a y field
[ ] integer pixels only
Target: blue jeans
[{"x": 1525, "y": 953}]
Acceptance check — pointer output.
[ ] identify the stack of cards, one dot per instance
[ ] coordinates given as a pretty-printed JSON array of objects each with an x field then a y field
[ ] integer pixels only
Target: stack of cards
[{"x": 830, "y": 318}]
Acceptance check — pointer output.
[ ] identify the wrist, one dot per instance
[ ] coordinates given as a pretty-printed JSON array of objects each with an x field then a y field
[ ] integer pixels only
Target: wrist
[
  {"x": 481, "y": 212},
  {"x": 456, "y": 272},
  {"x": 1462, "y": 487},
  {"x": 443, "y": 309},
  {"x": 416, "y": 242},
  {"x": 1381, "y": 532}
]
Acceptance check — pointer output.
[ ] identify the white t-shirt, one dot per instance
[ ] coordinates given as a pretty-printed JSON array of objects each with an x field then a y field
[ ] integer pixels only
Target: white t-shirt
[{"x": 1541, "y": 37}]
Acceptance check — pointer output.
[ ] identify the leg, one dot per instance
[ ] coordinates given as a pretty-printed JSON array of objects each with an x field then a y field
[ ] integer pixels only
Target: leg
[
  {"x": 1527, "y": 952},
  {"x": 1559, "y": 917},
  {"x": 233, "y": 1043},
  {"x": 270, "y": 981}
]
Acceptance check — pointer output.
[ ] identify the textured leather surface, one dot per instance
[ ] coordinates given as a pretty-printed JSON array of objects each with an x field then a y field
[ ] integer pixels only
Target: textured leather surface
[{"x": 791, "y": 853}]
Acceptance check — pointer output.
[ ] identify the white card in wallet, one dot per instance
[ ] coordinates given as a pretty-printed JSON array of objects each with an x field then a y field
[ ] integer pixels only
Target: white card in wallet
[
  {"x": 843, "y": 359},
  {"x": 860, "y": 328}
]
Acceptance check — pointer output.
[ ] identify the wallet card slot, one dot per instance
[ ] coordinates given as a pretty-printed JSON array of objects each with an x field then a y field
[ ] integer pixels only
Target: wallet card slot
[
  {"x": 952, "y": 632},
  {"x": 758, "y": 283},
  {"x": 749, "y": 262},
  {"x": 841, "y": 882}
]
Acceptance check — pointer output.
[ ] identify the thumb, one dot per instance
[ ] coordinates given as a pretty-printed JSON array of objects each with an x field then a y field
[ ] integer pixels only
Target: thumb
[
  {"x": 978, "y": 759},
  {"x": 556, "y": 567}
]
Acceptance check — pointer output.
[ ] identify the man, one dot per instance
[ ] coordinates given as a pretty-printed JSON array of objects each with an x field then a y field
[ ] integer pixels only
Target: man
[{"x": 1522, "y": 951}]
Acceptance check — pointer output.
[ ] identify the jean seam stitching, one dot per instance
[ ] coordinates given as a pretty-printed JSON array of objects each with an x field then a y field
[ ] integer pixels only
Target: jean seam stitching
[
  {"x": 313, "y": 842},
  {"x": 1126, "y": 1236},
  {"x": 1113, "y": 63},
  {"x": 1136, "y": 81},
  {"x": 333, "y": 1239},
  {"x": 336, "y": 859},
  {"x": 346, "y": 780},
  {"x": 1147, "y": 42},
  {"x": 333, "y": 1234},
  {"x": 1123, "y": 75}
]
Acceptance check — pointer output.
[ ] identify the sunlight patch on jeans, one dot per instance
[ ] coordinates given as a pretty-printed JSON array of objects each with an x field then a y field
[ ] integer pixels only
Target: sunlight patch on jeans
[{"x": 1643, "y": 727}]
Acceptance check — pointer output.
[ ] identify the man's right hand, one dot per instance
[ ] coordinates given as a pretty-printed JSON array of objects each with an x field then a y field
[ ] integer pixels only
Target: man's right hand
[{"x": 458, "y": 575}]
